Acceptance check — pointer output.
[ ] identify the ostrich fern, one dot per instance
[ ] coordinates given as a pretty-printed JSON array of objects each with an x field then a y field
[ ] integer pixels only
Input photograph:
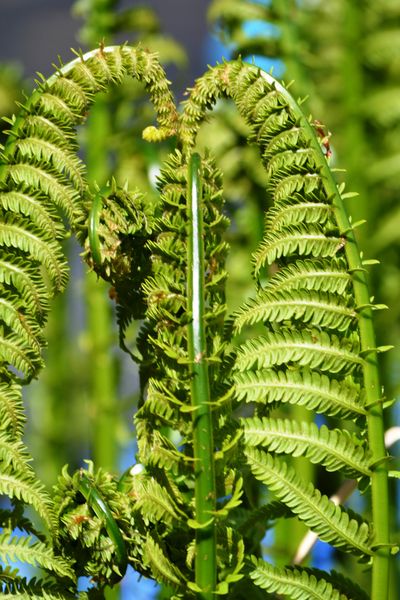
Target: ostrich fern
[{"x": 182, "y": 515}]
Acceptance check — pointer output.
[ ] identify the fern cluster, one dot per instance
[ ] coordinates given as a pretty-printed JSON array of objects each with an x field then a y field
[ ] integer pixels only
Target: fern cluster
[
  {"x": 302, "y": 357},
  {"x": 43, "y": 186},
  {"x": 312, "y": 345}
]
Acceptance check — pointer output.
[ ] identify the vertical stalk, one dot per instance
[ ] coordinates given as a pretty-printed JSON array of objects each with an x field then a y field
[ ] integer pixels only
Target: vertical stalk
[
  {"x": 203, "y": 447},
  {"x": 102, "y": 371},
  {"x": 99, "y": 321},
  {"x": 102, "y": 375}
]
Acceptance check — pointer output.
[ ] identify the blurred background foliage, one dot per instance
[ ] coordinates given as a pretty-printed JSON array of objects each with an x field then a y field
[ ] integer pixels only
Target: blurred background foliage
[{"x": 344, "y": 59}]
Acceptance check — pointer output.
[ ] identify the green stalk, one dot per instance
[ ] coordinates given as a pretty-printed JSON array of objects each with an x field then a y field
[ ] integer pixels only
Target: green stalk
[
  {"x": 103, "y": 382},
  {"x": 99, "y": 319},
  {"x": 102, "y": 385},
  {"x": 203, "y": 447}
]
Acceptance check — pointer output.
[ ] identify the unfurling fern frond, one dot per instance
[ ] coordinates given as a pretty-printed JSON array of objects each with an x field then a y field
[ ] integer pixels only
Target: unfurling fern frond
[
  {"x": 42, "y": 185},
  {"x": 314, "y": 308},
  {"x": 314, "y": 343}
]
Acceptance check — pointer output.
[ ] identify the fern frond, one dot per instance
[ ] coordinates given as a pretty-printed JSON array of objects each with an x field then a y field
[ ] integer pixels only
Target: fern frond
[
  {"x": 35, "y": 207},
  {"x": 302, "y": 241},
  {"x": 12, "y": 417},
  {"x": 287, "y": 214},
  {"x": 155, "y": 503},
  {"x": 325, "y": 276},
  {"x": 36, "y": 244},
  {"x": 161, "y": 566},
  {"x": 302, "y": 584},
  {"x": 22, "y": 277},
  {"x": 27, "y": 550},
  {"x": 333, "y": 449},
  {"x": 46, "y": 182},
  {"x": 314, "y": 308},
  {"x": 329, "y": 521},
  {"x": 14, "y": 585},
  {"x": 25, "y": 486},
  {"x": 33, "y": 149},
  {"x": 302, "y": 387},
  {"x": 16, "y": 354},
  {"x": 312, "y": 349},
  {"x": 13, "y": 452}
]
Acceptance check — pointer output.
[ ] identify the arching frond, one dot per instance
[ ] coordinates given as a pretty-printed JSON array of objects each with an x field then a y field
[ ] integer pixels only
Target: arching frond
[
  {"x": 296, "y": 241},
  {"x": 26, "y": 487}
]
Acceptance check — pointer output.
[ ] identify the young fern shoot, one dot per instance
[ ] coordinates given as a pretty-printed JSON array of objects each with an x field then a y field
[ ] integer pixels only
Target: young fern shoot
[{"x": 182, "y": 517}]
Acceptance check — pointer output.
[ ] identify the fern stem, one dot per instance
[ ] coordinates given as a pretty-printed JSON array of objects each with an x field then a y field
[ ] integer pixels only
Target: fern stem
[{"x": 205, "y": 562}]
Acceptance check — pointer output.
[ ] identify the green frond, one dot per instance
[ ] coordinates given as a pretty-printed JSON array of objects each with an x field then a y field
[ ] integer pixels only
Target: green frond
[
  {"x": 50, "y": 105},
  {"x": 303, "y": 241},
  {"x": 57, "y": 134},
  {"x": 329, "y": 521},
  {"x": 287, "y": 214},
  {"x": 325, "y": 276},
  {"x": 299, "y": 583},
  {"x": 35, "y": 207},
  {"x": 333, "y": 449},
  {"x": 23, "y": 278},
  {"x": 16, "y": 354},
  {"x": 33, "y": 177},
  {"x": 74, "y": 94},
  {"x": 26, "y": 487},
  {"x": 36, "y": 150},
  {"x": 162, "y": 568},
  {"x": 318, "y": 309},
  {"x": 313, "y": 349},
  {"x": 14, "y": 585},
  {"x": 12, "y": 416},
  {"x": 13, "y": 452},
  {"x": 36, "y": 244},
  {"x": 13, "y": 315},
  {"x": 302, "y": 387},
  {"x": 27, "y": 550},
  {"x": 155, "y": 502}
]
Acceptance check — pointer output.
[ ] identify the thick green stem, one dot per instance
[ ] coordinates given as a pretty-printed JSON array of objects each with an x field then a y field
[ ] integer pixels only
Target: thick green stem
[
  {"x": 203, "y": 448},
  {"x": 102, "y": 376}
]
